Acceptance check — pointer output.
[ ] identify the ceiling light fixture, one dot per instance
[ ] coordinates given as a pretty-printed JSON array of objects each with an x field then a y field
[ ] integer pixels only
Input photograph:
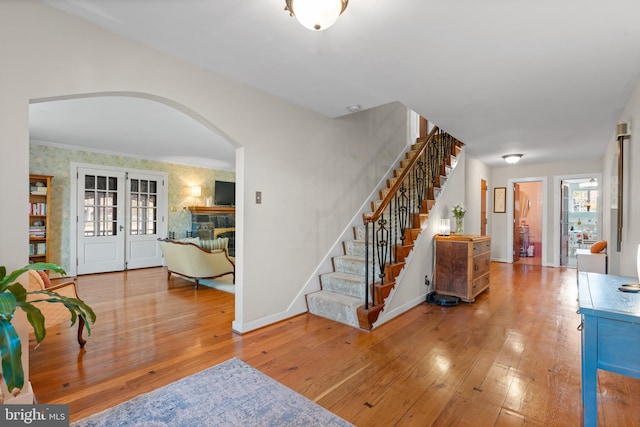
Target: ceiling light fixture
[
  {"x": 316, "y": 14},
  {"x": 354, "y": 108},
  {"x": 590, "y": 184},
  {"x": 512, "y": 158}
]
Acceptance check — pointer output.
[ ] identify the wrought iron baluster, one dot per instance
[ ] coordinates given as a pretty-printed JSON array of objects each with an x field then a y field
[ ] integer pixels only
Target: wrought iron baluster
[
  {"x": 366, "y": 265},
  {"x": 386, "y": 230},
  {"x": 402, "y": 209},
  {"x": 382, "y": 246}
]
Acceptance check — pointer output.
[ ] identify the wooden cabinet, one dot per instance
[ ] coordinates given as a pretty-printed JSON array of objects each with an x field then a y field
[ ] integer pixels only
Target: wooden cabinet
[
  {"x": 462, "y": 265},
  {"x": 39, "y": 198}
]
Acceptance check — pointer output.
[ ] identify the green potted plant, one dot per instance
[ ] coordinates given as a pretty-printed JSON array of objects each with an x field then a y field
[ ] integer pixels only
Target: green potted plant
[{"x": 14, "y": 295}]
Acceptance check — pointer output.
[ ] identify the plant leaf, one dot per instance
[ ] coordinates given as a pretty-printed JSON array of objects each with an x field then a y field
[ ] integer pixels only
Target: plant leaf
[
  {"x": 36, "y": 318},
  {"x": 11, "y": 351},
  {"x": 11, "y": 278},
  {"x": 13, "y": 295},
  {"x": 18, "y": 291},
  {"x": 8, "y": 306},
  {"x": 75, "y": 306}
]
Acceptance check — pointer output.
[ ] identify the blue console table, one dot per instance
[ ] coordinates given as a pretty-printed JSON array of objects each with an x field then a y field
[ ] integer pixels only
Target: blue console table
[{"x": 610, "y": 333}]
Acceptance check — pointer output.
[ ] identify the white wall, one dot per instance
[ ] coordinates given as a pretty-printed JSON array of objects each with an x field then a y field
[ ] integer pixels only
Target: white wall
[
  {"x": 502, "y": 177},
  {"x": 477, "y": 171},
  {"x": 624, "y": 262},
  {"x": 313, "y": 172}
]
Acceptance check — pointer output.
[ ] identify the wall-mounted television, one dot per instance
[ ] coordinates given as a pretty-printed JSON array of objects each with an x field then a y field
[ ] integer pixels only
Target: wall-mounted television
[{"x": 224, "y": 193}]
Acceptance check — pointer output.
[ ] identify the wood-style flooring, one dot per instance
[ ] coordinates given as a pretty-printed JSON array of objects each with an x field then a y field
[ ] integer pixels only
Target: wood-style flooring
[{"x": 512, "y": 358}]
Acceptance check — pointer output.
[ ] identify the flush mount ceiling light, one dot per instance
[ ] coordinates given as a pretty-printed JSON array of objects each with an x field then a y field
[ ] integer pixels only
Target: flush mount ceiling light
[
  {"x": 354, "y": 108},
  {"x": 592, "y": 183},
  {"x": 512, "y": 158},
  {"x": 316, "y": 14}
]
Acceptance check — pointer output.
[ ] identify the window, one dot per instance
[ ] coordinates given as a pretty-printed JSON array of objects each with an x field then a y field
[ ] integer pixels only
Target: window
[
  {"x": 584, "y": 200},
  {"x": 100, "y": 206},
  {"x": 144, "y": 207}
]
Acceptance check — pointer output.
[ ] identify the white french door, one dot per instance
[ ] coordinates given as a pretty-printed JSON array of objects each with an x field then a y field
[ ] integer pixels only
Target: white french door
[
  {"x": 120, "y": 215},
  {"x": 100, "y": 220},
  {"x": 144, "y": 221}
]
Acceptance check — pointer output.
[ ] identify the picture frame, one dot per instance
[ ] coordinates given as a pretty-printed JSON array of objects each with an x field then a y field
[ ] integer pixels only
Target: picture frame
[{"x": 500, "y": 199}]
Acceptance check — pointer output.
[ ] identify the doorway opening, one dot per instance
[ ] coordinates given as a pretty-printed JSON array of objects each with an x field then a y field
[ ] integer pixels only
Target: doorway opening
[
  {"x": 528, "y": 223},
  {"x": 120, "y": 214},
  {"x": 123, "y": 208},
  {"x": 580, "y": 217}
]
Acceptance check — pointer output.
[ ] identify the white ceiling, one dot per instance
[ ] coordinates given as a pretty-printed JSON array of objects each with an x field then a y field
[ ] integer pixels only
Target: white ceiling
[
  {"x": 546, "y": 78},
  {"x": 130, "y": 126}
]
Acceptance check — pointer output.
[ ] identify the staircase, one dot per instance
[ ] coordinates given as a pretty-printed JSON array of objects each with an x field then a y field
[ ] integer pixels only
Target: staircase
[{"x": 355, "y": 291}]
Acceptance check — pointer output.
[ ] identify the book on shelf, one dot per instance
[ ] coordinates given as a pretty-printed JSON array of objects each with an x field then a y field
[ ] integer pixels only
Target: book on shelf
[
  {"x": 38, "y": 190},
  {"x": 37, "y": 208},
  {"x": 37, "y": 248},
  {"x": 37, "y": 231}
]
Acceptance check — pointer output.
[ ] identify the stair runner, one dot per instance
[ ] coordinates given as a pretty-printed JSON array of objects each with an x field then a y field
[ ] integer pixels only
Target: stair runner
[{"x": 342, "y": 290}]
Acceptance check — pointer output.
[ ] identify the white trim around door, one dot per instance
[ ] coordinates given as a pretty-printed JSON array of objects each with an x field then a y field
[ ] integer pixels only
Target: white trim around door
[{"x": 116, "y": 216}]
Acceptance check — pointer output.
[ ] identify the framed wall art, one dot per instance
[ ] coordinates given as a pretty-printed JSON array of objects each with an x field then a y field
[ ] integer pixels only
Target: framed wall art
[{"x": 499, "y": 199}]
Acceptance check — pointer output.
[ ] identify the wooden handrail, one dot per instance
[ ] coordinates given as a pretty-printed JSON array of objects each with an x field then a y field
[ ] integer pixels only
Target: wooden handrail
[
  {"x": 394, "y": 189},
  {"x": 387, "y": 241}
]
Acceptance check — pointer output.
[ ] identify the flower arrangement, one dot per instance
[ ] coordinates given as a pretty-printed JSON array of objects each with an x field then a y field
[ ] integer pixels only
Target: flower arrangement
[{"x": 458, "y": 210}]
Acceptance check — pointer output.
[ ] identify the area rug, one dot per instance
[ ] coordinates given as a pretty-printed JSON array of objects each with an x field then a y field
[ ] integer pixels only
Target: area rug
[
  {"x": 220, "y": 284},
  {"x": 229, "y": 394}
]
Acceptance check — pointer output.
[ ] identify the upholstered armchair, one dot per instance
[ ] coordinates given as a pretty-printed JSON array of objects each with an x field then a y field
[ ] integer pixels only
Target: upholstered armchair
[
  {"x": 54, "y": 313},
  {"x": 190, "y": 260}
]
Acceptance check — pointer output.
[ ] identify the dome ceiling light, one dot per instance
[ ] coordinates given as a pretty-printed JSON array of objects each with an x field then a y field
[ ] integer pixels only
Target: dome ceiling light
[
  {"x": 316, "y": 14},
  {"x": 512, "y": 158}
]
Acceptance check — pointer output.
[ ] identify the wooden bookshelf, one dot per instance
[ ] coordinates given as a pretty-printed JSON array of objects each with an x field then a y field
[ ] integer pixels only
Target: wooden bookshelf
[{"x": 39, "y": 203}]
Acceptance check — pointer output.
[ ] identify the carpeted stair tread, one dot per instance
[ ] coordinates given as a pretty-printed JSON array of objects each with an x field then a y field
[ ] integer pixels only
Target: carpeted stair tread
[
  {"x": 344, "y": 283},
  {"x": 343, "y": 289},
  {"x": 350, "y": 264},
  {"x": 356, "y": 247},
  {"x": 338, "y": 307}
]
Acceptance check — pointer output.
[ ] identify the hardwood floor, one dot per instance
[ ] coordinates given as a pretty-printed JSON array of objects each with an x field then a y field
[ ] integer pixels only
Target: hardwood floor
[{"x": 511, "y": 358}]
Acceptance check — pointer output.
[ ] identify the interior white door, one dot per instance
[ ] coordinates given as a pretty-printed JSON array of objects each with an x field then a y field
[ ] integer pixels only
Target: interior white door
[
  {"x": 145, "y": 222},
  {"x": 101, "y": 209},
  {"x": 564, "y": 223}
]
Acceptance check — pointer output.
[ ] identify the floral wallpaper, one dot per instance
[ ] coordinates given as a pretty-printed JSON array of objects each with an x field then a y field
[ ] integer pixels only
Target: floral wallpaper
[{"x": 56, "y": 161}]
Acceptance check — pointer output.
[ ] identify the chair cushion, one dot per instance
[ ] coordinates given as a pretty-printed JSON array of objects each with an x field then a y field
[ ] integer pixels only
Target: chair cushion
[
  {"x": 45, "y": 279},
  {"x": 211, "y": 244},
  {"x": 599, "y": 246}
]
